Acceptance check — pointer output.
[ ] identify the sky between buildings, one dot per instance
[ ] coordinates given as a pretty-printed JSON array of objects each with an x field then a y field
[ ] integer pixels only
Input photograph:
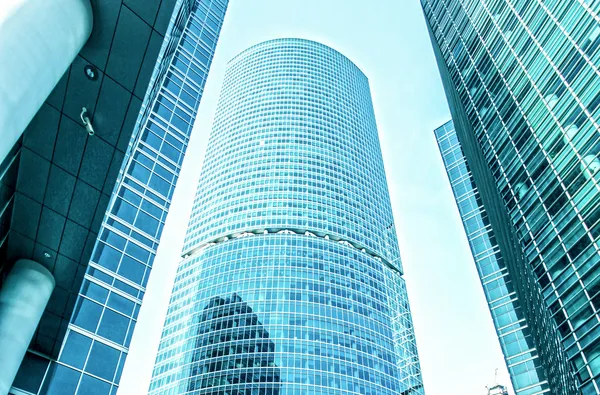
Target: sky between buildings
[{"x": 388, "y": 40}]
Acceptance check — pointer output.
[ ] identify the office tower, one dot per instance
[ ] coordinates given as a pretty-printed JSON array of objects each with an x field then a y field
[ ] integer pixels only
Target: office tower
[
  {"x": 73, "y": 195},
  {"x": 521, "y": 78},
  {"x": 519, "y": 349},
  {"x": 292, "y": 231}
]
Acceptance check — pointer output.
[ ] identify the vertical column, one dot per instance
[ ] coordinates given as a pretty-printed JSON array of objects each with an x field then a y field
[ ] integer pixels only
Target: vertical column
[
  {"x": 38, "y": 41},
  {"x": 23, "y": 298}
]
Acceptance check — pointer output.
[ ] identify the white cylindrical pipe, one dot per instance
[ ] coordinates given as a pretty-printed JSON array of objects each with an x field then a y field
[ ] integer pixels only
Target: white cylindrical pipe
[
  {"x": 23, "y": 298},
  {"x": 38, "y": 41}
]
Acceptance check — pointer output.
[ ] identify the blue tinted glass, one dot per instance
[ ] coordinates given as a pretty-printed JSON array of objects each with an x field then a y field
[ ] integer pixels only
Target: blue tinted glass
[
  {"x": 136, "y": 310},
  {"x": 159, "y": 185},
  {"x": 143, "y": 239},
  {"x": 146, "y": 277},
  {"x": 151, "y": 208},
  {"x": 169, "y": 151},
  {"x": 92, "y": 386},
  {"x": 118, "y": 302},
  {"x": 130, "y": 196},
  {"x": 120, "y": 369},
  {"x": 75, "y": 350},
  {"x": 131, "y": 269},
  {"x": 102, "y": 361},
  {"x": 106, "y": 256},
  {"x": 113, "y": 326},
  {"x": 321, "y": 316},
  {"x": 124, "y": 210},
  {"x": 113, "y": 239},
  {"x": 87, "y": 314},
  {"x": 94, "y": 291},
  {"x": 146, "y": 223},
  {"x": 137, "y": 252},
  {"x": 100, "y": 275},
  {"x": 125, "y": 287},
  {"x": 131, "y": 329},
  {"x": 60, "y": 381},
  {"x": 143, "y": 159},
  {"x": 139, "y": 172}
]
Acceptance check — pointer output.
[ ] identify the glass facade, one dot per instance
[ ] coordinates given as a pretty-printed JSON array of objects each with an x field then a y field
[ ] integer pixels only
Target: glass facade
[
  {"x": 522, "y": 359},
  {"x": 291, "y": 280},
  {"x": 97, "y": 340},
  {"x": 523, "y": 83}
]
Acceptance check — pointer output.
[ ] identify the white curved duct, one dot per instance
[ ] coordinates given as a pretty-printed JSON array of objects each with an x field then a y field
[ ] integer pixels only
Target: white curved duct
[
  {"x": 38, "y": 41},
  {"x": 23, "y": 298}
]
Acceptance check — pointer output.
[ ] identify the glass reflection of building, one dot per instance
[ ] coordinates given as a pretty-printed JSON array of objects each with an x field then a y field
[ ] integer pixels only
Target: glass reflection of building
[
  {"x": 230, "y": 340},
  {"x": 283, "y": 218},
  {"x": 523, "y": 85}
]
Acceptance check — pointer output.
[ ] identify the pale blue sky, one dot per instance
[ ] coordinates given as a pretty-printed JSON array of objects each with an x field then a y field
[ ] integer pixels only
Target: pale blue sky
[{"x": 388, "y": 40}]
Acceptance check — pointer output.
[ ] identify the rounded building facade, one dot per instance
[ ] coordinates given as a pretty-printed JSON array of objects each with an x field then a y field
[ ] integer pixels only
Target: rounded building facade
[{"x": 291, "y": 281}]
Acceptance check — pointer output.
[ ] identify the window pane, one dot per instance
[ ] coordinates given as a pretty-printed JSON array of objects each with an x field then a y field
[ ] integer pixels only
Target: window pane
[
  {"x": 75, "y": 350},
  {"x": 131, "y": 330},
  {"x": 60, "y": 380},
  {"x": 146, "y": 223},
  {"x": 94, "y": 291},
  {"x": 118, "y": 302},
  {"x": 120, "y": 369},
  {"x": 160, "y": 185},
  {"x": 137, "y": 252},
  {"x": 113, "y": 239},
  {"x": 131, "y": 269},
  {"x": 169, "y": 151},
  {"x": 113, "y": 326},
  {"x": 151, "y": 208},
  {"x": 124, "y": 210},
  {"x": 87, "y": 314},
  {"x": 102, "y": 361},
  {"x": 93, "y": 386},
  {"x": 106, "y": 256}
]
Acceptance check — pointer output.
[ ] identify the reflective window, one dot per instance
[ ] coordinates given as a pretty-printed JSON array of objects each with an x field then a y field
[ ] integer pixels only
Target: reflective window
[
  {"x": 75, "y": 350},
  {"x": 87, "y": 314},
  {"x": 92, "y": 386},
  {"x": 102, "y": 361},
  {"x": 113, "y": 326},
  {"x": 60, "y": 380}
]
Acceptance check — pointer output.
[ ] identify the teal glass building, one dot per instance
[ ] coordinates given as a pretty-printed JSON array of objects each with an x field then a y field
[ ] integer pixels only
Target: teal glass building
[
  {"x": 291, "y": 279},
  {"x": 96, "y": 343},
  {"x": 523, "y": 85},
  {"x": 518, "y": 346}
]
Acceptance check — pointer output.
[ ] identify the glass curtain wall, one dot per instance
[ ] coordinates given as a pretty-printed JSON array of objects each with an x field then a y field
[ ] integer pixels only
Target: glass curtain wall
[
  {"x": 523, "y": 84},
  {"x": 285, "y": 239},
  {"x": 98, "y": 337}
]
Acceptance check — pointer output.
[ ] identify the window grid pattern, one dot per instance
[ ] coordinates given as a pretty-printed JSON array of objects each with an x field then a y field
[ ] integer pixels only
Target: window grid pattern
[
  {"x": 518, "y": 346},
  {"x": 285, "y": 238},
  {"x": 286, "y": 127},
  {"x": 527, "y": 75},
  {"x": 105, "y": 314}
]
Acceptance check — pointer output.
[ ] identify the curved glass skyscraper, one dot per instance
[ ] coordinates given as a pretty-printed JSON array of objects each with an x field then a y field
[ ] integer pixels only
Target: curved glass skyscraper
[{"x": 291, "y": 279}]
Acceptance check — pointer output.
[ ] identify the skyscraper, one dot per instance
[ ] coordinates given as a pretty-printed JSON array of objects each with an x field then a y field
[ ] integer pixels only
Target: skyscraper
[
  {"x": 522, "y": 82},
  {"x": 291, "y": 253},
  {"x": 83, "y": 338},
  {"x": 519, "y": 349}
]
